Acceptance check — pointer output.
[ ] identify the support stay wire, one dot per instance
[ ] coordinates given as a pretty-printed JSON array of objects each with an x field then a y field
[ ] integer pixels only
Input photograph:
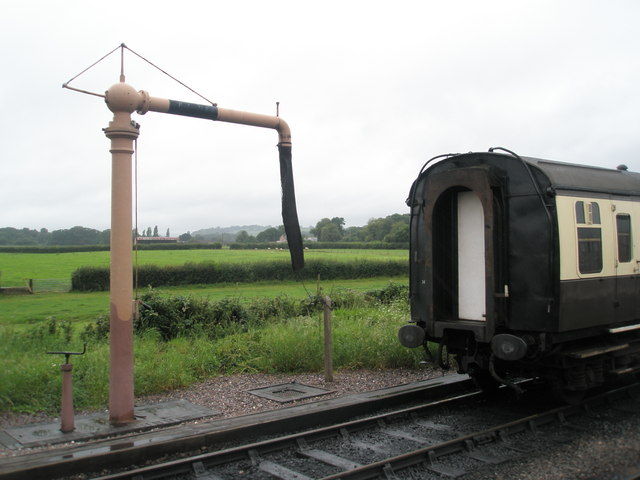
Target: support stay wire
[{"x": 122, "y": 47}]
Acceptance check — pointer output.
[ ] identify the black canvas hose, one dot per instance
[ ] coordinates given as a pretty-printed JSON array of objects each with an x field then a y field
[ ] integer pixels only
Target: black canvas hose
[{"x": 289, "y": 211}]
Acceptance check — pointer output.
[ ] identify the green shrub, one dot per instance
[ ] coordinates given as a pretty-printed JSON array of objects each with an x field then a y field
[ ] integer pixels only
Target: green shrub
[
  {"x": 54, "y": 249},
  {"x": 322, "y": 245},
  {"x": 391, "y": 293},
  {"x": 181, "y": 340},
  {"x": 180, "y": 246},
  {"x": 98, "y": 330},
  {"x": 261, "y": 310},
  {"x": 97, "y": 278},
  {"x": 173, "y": 316},
  {"x": 103, "y": 248},
  {"x": 90, "y": 279}
]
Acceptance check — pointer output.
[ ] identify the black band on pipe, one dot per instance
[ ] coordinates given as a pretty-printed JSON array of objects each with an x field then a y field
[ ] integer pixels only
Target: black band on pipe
[
  {"x": 193, "y": 110},
  {"x": 289, "y": 211}
]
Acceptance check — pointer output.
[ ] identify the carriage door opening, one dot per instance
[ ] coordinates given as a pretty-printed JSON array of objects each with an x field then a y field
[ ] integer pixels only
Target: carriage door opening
[{"x": 471, "y": 257}]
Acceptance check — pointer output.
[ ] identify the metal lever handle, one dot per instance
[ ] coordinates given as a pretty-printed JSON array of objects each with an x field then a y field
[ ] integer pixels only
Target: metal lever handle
[{"x": 68, "y": 354}]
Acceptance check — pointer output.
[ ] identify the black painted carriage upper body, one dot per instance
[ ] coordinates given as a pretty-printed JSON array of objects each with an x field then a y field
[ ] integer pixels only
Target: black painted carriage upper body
[{"x": 524, "y": 291}]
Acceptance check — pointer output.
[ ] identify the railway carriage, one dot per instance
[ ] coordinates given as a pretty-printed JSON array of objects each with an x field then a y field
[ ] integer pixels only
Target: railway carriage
[{"x": 526, "y": 267}]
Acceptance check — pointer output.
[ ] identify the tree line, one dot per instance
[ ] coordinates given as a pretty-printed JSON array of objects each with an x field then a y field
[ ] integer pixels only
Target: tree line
[
  {"x": 65, "y": 236},
  {"x": 149, "y": 233},
  {"x": 393, "y": 228},
  {"x": 43, "y": 237}
]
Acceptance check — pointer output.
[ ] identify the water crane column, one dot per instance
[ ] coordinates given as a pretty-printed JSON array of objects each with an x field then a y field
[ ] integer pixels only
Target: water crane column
[
  {"x": 122, "y": 131},
  {"x": 122, "y": 99}
]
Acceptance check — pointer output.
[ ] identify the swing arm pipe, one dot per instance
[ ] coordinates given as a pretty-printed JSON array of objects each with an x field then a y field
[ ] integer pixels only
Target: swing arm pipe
[
  {"x": 212, "y": 112},
  {"x": 124, "y": 97}
]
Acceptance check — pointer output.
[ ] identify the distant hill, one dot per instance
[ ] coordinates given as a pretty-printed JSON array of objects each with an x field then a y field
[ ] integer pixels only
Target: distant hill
[
  {"x": 218, "y": 231},
  {"x": 217, "y": 234}
]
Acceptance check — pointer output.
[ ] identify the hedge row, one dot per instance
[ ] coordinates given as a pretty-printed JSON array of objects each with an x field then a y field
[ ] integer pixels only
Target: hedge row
[
  {"x": 54, "y": 249},
  {"x": 180, "y": 246},
  {"x": 103, "y": 248},
  {"x": 208, "y": 246},
  {"x": 176, "y": 315},
  {"x": 323, "y": 245},
  {"x": 97, "y": 278}
]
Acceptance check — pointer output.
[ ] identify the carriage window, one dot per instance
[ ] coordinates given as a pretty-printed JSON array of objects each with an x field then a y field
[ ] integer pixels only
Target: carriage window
[
  {"x": 579, "y": 212},
  {"x": 594, "y": 213},
  {"x": 588, "y": 213},
  {"x": 623, "y": 225},
  {"x": 589, "y": 250}
]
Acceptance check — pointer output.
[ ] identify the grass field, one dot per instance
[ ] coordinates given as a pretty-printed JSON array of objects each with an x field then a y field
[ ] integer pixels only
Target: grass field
[
  {"x": 364, "y": 336},
  {"x": 17, "y": 268},
  {"x": 22, "y": 310},
  {"x": 30, "y": 380}
]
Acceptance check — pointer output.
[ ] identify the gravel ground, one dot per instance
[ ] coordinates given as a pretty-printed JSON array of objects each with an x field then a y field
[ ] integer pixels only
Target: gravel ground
[
  {"x": 229, "y": 394},
  {"x": 608, "y": 448}
]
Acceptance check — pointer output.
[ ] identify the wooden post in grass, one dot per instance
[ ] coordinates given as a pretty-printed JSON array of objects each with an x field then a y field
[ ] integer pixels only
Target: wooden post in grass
[{"x": 328, "y": 340}]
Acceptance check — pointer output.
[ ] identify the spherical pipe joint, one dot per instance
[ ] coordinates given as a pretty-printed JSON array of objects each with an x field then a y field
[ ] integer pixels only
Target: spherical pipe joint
[{"x": 122, "y": 97}]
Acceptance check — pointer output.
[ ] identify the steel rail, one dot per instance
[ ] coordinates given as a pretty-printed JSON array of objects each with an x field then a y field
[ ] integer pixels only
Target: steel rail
[
  {"x": 469, "y": 442},
  {"x": 200, "y": 464},
  {"x": 254, "y": 450},
  {"x": 127, "y": 450}
]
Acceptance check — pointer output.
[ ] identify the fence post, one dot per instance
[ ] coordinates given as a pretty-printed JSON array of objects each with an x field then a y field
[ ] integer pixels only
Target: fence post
[{"x": 328, "y": 340}]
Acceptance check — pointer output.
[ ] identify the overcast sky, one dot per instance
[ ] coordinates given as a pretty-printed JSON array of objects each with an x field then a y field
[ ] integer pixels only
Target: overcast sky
[{"x": 371, "y": 90}]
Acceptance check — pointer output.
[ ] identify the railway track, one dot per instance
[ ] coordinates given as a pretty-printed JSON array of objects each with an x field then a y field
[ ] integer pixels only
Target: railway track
[
  {"x": 423, "y": 441},
  {"x": 125, "y": 451},
  {"x": 450, "y": 430}
]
